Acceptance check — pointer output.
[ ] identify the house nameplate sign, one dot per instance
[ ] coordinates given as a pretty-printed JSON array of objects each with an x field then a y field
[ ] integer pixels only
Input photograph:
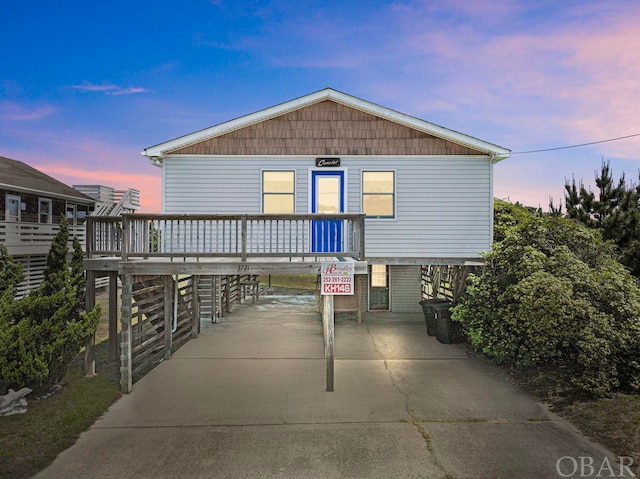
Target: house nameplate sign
[{"x": 327, "y": 162}]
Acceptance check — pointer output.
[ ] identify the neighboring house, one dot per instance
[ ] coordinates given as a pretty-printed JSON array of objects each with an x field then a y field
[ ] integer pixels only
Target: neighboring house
[
  {"x": 31, "y": 207},
  {"x": 109, "y": 201},
  {"x": 426, "y": 191}
]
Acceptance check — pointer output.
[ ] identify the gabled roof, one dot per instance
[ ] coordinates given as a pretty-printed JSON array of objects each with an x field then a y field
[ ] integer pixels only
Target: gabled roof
[
  {"x": 18, "y": 176},
  {"x": 157, "y": 152}
]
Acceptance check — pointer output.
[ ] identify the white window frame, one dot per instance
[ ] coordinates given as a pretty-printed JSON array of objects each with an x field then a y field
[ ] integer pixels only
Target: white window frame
[
  {"x": 6, "y": 207},
  {"x": 49, "y": 201},
  {"x": 74, "y": 219},
  {"x": 393, "y": 194}
]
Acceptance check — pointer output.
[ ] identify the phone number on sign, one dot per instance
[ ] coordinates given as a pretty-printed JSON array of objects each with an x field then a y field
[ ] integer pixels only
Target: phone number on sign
[{"x": 336, "y": 279}]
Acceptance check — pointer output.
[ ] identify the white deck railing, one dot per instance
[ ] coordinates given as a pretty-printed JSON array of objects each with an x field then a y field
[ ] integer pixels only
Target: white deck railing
[
  {"x": 242, "y": 236},
  {"x": 23, "y": 238}
]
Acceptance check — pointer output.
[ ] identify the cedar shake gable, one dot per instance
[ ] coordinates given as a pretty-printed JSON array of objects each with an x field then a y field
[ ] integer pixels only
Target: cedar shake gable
[
  {"x": 325, "y": 128},
  {"x": 327, "y": 122}
]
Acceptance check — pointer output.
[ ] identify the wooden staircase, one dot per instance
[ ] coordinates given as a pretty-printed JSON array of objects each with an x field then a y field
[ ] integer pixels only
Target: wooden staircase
[{"x": 206, "y": 292}]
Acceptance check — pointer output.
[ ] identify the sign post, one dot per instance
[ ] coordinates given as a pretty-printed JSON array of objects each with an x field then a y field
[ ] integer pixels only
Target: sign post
[
  {"x": 336, "y": 279},
  {"x": 328, "y": 329}
]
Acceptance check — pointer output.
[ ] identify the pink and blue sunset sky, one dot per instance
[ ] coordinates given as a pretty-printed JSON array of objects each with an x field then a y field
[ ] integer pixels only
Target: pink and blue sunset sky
[{"x": 86, "y": 86}]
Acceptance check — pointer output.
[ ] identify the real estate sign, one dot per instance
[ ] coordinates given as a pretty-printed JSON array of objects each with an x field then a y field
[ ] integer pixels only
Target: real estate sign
[{"x": 337, "y": 278}]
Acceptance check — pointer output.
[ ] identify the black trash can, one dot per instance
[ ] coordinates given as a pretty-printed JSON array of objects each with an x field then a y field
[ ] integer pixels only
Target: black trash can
[
  {"x": 445, "y": 327},
  {"x": 429, "y": 311}
]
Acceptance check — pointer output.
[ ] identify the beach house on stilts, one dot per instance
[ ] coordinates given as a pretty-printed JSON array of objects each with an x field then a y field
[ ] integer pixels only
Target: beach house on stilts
[{"x": 324, "y": 177}]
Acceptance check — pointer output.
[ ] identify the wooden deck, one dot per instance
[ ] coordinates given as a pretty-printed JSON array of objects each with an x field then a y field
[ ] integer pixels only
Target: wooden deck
[
  {"x": 164, "y": 262},
  {"x": 200, "y": 243}
]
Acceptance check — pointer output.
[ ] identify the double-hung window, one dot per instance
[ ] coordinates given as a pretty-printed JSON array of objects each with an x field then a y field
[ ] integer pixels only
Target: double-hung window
[
  {"x": 72, "y": 214},
  {"x": 12, "y": 208},
  {"x": 278, "y": 192},
  {"x": 44, "y": 210},
  {"x": 378, "y": 194}
]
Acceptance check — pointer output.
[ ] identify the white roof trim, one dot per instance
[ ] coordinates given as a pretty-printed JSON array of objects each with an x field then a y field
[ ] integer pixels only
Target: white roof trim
[{"x": 157, "y": 152}]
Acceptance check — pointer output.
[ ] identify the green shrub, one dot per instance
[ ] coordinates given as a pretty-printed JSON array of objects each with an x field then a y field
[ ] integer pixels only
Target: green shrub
[
  {"x": 552, "y": 294},
  {"x": 42, "y": 333}
]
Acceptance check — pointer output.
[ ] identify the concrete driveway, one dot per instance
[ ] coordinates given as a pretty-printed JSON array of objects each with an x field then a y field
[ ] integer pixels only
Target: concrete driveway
[{"x": 247, "y": 399}]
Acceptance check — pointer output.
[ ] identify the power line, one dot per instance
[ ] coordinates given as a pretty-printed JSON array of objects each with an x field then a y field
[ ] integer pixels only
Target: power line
[{"x": 574, "y": 146}]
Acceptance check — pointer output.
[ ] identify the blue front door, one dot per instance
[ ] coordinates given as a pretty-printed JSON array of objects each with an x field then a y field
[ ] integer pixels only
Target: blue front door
[{"x": 327, "y": 197}]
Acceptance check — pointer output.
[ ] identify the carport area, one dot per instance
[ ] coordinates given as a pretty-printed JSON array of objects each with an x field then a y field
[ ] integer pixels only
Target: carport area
[{"x": 247, "y": 398}]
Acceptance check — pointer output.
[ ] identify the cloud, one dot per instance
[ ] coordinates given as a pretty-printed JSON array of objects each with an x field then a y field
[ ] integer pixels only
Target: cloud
[
  {"x": 85, "y": 86},
  {"x": 11, "y": 111},
  {"x": 574, "y": 79},
  {"x": 108, "y": 89},
  {"x": 129, "y": 91}
]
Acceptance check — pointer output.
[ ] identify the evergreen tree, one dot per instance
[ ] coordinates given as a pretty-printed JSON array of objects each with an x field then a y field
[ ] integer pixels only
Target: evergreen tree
[
  {"x": 56, "y": 272},
  {"x": 614, "y": 211},
  {"x": 47, "y": 328},
  {"x": 10, "y": 276},
  {"x": 78, "y": 280},
  {"x": 10, "y": 272}
]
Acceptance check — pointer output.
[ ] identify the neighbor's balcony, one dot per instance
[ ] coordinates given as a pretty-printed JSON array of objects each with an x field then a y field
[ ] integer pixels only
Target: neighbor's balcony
[
  {"x": 140, "y": 236},
  {"x": 24, "y": 238}
]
